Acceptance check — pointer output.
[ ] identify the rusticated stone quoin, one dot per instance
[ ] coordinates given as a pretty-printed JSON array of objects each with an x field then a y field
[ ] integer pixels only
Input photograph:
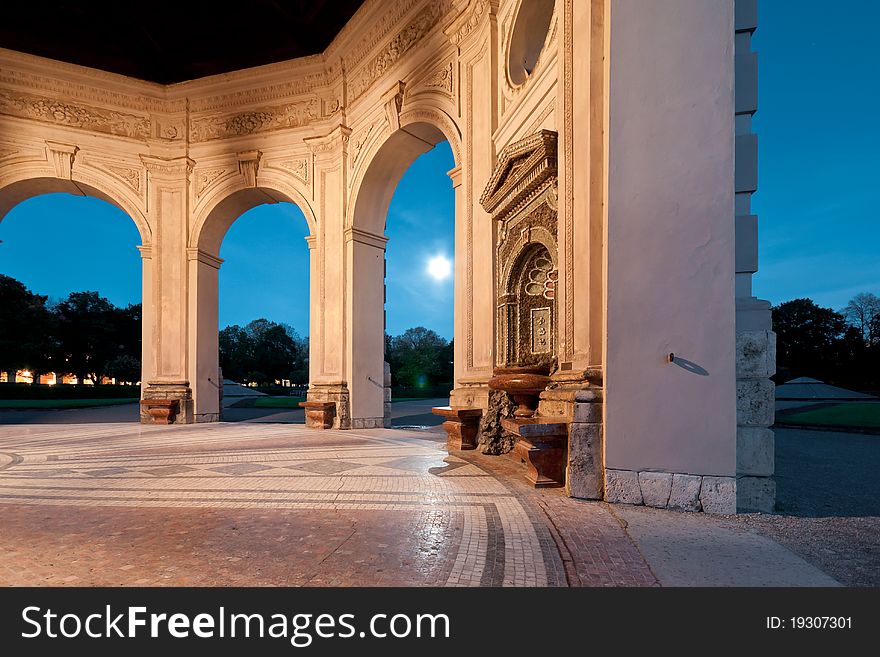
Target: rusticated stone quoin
[
  {"x": 756, "y": 494},
  {"x": 585, "y": 474},
  {"x": 718, "y": 495}
]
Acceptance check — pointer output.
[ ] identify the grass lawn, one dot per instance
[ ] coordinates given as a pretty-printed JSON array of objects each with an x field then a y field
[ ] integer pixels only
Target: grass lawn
[
  {"x": 862, "y": 415},
  {"x": 20, "y": 404},
  {"x": 278, "y": 402}
]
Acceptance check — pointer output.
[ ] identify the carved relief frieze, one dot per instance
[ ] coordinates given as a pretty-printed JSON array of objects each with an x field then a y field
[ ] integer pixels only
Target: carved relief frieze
[
  {"x": 264, "y": 119},
  {"x": 377, "y": 32},
  {"x": 90, "y": 94},
  {"x": 267, "y": 93},
  {"x": 405, "y": 40},
  {"x": 49, "y": 110}
]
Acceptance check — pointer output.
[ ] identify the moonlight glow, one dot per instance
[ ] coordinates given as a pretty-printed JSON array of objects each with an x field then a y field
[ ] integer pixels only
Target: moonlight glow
[{"x": 439, "y": 268}]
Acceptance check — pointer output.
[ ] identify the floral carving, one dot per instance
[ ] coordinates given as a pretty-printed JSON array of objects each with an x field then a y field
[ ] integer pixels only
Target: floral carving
[
  {"x": 298, "y": 167},
  {"x": 290, "y": 115},
  {"x": 131, "y": 177},
  {"x": 39, "y": 108},
  {"x": 441, "y": 79},
  {"x": 206, "y": 177},
  {"x": 403, "y": 42}
]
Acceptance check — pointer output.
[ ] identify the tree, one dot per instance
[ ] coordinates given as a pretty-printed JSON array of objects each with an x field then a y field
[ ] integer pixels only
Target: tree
[
  {"x": 86, "y": 335},
  {"x": 419, "y": 357},
  {"x": 863, "y": 312},
  {"x": 26, "y": 329},
  {"x": 811, "y": 340},
  {"x": 263, "y": 352}
]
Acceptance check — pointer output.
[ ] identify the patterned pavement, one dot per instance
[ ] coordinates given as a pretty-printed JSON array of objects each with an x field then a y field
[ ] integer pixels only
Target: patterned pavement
[{"x": 263, "y": 504}]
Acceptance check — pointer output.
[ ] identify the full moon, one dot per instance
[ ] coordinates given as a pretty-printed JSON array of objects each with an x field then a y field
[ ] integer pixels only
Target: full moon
[{"x": 439, "y": 268}]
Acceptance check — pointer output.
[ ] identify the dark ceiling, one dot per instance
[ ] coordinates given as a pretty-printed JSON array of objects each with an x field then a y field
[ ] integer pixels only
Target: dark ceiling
[{"x": 167, "y": 42}]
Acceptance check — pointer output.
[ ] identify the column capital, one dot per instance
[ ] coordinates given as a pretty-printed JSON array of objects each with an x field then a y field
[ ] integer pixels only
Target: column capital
[
  {"x": 195, "y": 253},
  {"x": 146, "y": 251},
  {"x": 168, "y": 167},
  {"x": 331, "y": 142},
  {"x": 363, "y": 237},
  {"x": 455, "y": 176},
  {"x": 311, "y": 241}
]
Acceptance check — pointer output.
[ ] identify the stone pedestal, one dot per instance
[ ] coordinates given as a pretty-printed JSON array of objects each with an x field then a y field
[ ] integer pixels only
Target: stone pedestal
[
  {"x": 319, "y": 414},
  {"x": 337, "y": 394},
  {"x": 167, "y": 402},
  {"x": 462, "y": 426},
  {"x": 159, "y": 411},
  {"x": 541, "y": 446}
]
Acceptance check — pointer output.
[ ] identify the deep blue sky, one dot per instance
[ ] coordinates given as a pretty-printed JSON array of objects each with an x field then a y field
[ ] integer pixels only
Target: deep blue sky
[
  {"x": 818, "y": 125},
  {"x": 57, "y": 244},
  {"x": 818, "y": 201}
]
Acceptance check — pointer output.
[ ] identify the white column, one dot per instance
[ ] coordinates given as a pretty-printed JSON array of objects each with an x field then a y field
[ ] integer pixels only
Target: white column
[
  {"x": 365, "y": 348},
  {"x": 203, "y": 362}
]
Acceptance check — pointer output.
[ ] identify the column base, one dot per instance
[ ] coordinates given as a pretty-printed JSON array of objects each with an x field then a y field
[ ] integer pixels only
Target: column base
[
  {"x": 167, "y": 402},
  {"x": 336, "y": 392}
]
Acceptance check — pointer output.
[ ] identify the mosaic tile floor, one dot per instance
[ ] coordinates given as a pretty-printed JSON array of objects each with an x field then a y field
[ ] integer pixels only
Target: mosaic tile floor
[{"x": 262, "y": 504}]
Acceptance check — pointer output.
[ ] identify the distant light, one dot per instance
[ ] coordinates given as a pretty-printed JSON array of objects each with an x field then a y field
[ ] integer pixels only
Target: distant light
[{"x": 439, "y": 268}]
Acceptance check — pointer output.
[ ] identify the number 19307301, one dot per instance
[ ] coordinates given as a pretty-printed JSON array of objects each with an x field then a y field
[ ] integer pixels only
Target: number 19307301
[{"x": 809, "y": 623}]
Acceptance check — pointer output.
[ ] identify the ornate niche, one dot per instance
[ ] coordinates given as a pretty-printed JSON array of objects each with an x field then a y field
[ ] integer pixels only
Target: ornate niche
[{"x": 521, "y": 196}]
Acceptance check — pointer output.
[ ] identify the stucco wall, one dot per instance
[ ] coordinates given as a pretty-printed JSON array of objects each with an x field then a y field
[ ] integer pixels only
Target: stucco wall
[{"x": 670, "y": 238}]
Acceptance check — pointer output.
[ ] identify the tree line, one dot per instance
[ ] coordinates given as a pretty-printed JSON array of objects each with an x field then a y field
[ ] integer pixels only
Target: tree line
[
  {"x": 841, "y": 348},
  {"x": 83, "y": 334}
]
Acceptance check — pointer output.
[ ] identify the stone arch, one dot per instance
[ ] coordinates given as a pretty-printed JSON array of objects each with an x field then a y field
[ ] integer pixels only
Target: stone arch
[
  {"x": 384, "y": 163},
  {"x": 231, "y": 200},
  {"x": 388, "y": 158},
  {"x": 220, "y": 210},
  {"x": 19, "y": 183}
]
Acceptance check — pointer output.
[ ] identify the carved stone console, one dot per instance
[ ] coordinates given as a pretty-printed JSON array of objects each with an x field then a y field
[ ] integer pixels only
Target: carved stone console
[
  {"x": 319, "y": 414},
  {"x": 461, "y": 425}
]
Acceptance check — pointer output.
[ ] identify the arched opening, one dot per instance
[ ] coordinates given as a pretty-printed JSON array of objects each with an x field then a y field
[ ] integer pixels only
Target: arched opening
[
  {"x": 406, "y": 198},
  {"x": 70, "y": 298},
  {"x": 252, "y": 316}
]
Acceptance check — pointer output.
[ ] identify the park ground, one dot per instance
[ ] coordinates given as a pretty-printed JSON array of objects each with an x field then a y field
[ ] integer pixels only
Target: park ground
[{"x": 88, "y": 497}]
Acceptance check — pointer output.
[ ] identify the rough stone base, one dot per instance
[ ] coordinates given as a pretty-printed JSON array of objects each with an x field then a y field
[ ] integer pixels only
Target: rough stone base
[
  {"x": 493, "y": 439},
  {"x": 366, "y": 423},
  {"x": 208, "y": 417},
  {"x": 675, "y": 491},
  {"x": 338, "y": 394},
  {"x": 755, "y": 494}
]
